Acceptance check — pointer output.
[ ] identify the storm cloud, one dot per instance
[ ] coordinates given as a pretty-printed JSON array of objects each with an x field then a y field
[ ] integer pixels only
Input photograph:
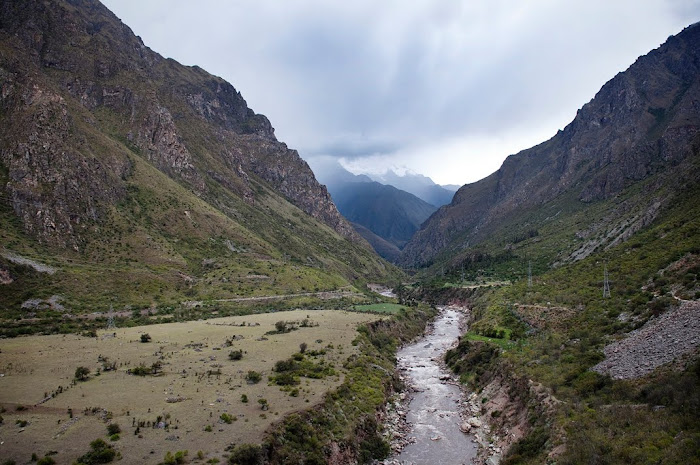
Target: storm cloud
[{"x": 444, "y": 88}]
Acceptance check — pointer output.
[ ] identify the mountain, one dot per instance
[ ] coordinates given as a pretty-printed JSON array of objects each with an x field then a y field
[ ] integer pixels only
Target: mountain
[
  {"x": 421, "y": 186},
  {"x": 624, "y": 160},
  {"x": 141, "y": 180},
  {"x": 385, "y": 216},
  {"x": 580, "y": 262},
  {"x": 390, "y": 213}
]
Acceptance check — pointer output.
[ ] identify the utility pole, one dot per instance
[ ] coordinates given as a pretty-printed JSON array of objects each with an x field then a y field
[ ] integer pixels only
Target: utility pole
[
  {"x": 529, "y": 273},
  {"x": 110, "y": 319},
  {"x": 606, "y": 283}
]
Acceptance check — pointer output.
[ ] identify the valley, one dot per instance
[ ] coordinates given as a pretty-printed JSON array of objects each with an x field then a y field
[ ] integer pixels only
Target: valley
[{"x": 177, "y": 285}]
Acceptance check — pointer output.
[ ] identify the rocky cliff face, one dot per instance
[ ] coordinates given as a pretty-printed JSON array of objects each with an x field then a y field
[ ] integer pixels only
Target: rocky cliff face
[
  {"x": 644, "y": 122},
  {"x": 77, "y": 88}
]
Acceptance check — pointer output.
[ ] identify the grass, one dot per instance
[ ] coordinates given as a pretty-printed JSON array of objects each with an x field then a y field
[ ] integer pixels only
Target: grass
[
  {"x": 388, "y": 308},
  {"x": 196, "y": 385}
]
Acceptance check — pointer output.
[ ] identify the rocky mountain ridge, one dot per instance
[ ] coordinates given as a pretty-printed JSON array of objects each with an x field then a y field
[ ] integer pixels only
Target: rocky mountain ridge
[
  {"x": 140, "y": 179},
  {"x": 65, "y": 63},
  {"x": 642, "y": 125}
]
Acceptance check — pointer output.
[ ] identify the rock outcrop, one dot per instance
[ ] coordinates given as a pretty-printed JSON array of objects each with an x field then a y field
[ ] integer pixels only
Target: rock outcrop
[{"x": 80, "y": 94}]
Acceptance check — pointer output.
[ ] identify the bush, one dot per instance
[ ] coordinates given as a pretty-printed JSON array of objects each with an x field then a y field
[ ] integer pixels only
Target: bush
[
  {"x": 246, "y": 454},
  {"x": 101, "y": 453},
  {"x": 81, "y": 373},
  {"x": 253, "y": 377},
  {"x": 226, "y": 418},
  {"x": 528, "y": 447},
  {"x": 235, "y": 355},
  {"x": 173, "y": 459},
  {"x": 145, "y": 338},
  {"x": 46, "y": 461},
  {"x": 113, "y": 428}
]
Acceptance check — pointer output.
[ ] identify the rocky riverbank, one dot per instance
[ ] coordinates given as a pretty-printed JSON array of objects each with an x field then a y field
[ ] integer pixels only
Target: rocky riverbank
[{"x": 423, "y": 422}]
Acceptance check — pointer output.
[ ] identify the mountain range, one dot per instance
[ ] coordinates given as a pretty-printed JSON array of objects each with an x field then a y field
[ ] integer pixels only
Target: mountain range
[
  {"x": 140, "y": 179},
  {"x": 384, "y": 209}
]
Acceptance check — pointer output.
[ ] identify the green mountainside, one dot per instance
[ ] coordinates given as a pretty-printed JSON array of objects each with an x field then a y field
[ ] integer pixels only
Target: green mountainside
[
  {"x": 131, "y": 181},
  {"x": 390, "y": 213},
  {"x": 610, "y": 172},
  {"x": 579, "y": 259}
]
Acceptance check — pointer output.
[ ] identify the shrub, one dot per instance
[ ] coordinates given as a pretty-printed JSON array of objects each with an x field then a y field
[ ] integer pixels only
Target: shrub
[
  {"x": 145, "y": 337},
  {"x": 235, "y": 355},
  {"x": 281, "y": 326},
  {"x": 113, "y": 428},
  {"x": 246, "y": 454},
  {"x": 253, "y": 377},
  {"x": 46, "y": 461},
  {"x": 177, "y": 458},
  {"x": 101, "y": 453},
  {"x": 244, "y": 398},
  {"x": 226, "y": 418},
  {"x": 302, "y": 347},
  {"x": 81, "y": 373}
]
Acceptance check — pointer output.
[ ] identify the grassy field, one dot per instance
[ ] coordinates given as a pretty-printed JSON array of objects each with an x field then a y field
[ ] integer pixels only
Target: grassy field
[
  {"x": 197, "y": 384},
  {"x": 386, "y": 307}
]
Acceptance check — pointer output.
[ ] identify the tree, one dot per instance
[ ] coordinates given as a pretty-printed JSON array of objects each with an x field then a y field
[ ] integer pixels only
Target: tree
[
  {"x": 81, "y": 373},
  {"x": 145, "y": 337},
  {"x": 156, "y": 367},
  {"x": 281, "y": 326},
  {"x": 302, "y": 347}
]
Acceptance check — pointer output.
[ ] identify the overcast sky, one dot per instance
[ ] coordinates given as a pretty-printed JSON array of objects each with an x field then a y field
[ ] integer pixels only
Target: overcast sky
[{"x": 444, "y": 88}]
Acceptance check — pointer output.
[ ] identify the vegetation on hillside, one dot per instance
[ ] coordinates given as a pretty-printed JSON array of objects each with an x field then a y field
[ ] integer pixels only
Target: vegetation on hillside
[{"x": 553, "y": 332}]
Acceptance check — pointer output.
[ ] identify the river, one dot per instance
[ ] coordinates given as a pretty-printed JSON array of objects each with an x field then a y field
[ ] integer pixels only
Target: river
[{"x": 433, "y": 413}]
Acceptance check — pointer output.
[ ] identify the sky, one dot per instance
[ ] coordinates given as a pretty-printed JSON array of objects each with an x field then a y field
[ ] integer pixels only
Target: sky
[{"x": 443, "y": 88}]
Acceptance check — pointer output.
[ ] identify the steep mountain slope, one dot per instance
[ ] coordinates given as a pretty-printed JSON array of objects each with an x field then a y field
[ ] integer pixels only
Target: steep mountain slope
[
  {"x": 387, "y": 217},
  {"x": 384, "y": 248},
  {"x": 641, "y": 129},
  {"x": 139, "y": 178},
  {"x": 583, "y": 348},
  {"x": 388, "y": 212},
  {"x": 421, "y": 186}
]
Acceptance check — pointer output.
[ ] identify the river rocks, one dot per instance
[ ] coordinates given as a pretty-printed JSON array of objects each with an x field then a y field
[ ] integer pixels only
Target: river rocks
[{"x": 436, "y": 407}]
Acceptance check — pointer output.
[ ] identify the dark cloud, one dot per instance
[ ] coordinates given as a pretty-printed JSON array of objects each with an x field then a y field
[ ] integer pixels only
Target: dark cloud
[{"x": 395, "y": 83}]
